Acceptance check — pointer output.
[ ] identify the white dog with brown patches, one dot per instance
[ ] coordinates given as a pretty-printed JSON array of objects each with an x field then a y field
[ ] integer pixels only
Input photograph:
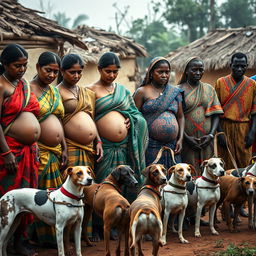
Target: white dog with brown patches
[
  {"x": 175, "y": 199},
  {"x": 207, "y": 192},
  {"x": 60, "y": 208}
]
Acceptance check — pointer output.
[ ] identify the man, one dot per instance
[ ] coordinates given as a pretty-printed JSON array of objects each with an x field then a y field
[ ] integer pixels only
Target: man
[{"x": 237, "y": 95}]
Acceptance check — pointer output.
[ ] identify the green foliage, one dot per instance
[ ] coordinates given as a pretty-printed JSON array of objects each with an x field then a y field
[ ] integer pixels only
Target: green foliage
[
  {"x": 63, "y": 20},
  {"x": 234, "y": 250},
  {"x": 79, "y": 20},
  {"x": 238, "y": 13}
]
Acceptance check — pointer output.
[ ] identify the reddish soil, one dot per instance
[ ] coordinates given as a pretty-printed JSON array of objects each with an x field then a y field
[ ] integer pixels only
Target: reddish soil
[{"x": 207, "y": 245}]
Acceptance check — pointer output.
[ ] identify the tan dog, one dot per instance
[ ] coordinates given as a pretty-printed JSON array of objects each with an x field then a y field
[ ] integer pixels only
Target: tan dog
[
  {"x": 62, "y": 207},
  {"x": 145, "y": 211},
  {"x": 110, "y": 205},
  {"x": 174, "y": 197},
  {"x": 235, "y": 191}
]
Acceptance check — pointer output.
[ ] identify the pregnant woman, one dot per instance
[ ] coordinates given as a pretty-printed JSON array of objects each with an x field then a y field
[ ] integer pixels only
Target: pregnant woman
[
  {"x": 19, "y": 132},
  {"x": 52, "y": 145},
  {"x": 161, "y": 105}
]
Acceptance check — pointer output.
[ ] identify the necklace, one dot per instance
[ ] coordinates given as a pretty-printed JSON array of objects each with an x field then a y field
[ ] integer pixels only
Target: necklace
[
  {"x": 13, "y": 85},
  {"x": 109, "y": 91},
  {"x": 74, "y": 93},
  {"x": 43, "y": 89},
  {"x": 191, "y": 87},
  {"x": 155, "y": 89}
]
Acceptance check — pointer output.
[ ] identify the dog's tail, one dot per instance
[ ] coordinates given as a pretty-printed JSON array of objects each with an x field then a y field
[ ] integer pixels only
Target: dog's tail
[{"x": 133, "y": 228}]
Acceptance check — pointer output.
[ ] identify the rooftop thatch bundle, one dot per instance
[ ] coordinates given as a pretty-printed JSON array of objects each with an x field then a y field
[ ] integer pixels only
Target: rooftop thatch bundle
[
  {"x": 217, "y": 47},
  {"x": 100, "y": 41},
  {"x": 30, "y": 29}
]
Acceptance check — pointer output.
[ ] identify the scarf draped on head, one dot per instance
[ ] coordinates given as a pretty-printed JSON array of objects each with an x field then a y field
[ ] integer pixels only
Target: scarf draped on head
[
  {"x": 147, "y": 78},
  {"x": 183, "y": 78}
]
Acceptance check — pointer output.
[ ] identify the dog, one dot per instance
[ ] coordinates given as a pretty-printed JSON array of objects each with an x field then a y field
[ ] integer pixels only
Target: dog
[
  {"x": 236, "y": 191},
  {"x": 207, "y": 192},
  {"x": 106, "y": 200},
  {"x": 62, "y": 207},
  {"x": 174, "y": 197},
  {"x": 145, "y": 211}
]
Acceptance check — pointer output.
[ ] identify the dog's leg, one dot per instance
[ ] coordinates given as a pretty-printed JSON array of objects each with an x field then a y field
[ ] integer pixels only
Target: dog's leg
[
  {"x": 155, "y": 243},
  {"x": 254, "y": 214},
  {"x": 181, "y": 219},
  {"x": 87, "y": 215},
  {"x": 118, "y": 251},
  {"x": 77, "y": 236},
  {"x": 126, "y": 240},
  {"x": 198, "y": 216},
  {"x": 165, "y": 223},
  {"x": 140, "y": 248},
  {"x": 226, "y": 208},
  {"x": 250, "y": 219},
  {"x": 212, "y": 211},
  {"x": 59, "y": 226},
  {"x": 173, "y": 217},
  {"x": 107, "y": 228},
  {"x": 236, "y": 213}
]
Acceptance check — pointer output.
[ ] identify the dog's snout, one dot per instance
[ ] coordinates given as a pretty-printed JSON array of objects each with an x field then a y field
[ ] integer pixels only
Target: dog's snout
[
  {"x": 222, "y": 173},
  {"x": 251, "y": 191},
  {"x": 188, "y": 177},
  {"x": 163, "y": 180},
  {"x": 89, "y": 181}
]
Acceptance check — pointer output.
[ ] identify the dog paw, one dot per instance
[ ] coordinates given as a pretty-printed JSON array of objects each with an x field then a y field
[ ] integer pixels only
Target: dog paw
[
  {"x": 214, "y": 232},
  {"x": 197, "y": 234},
  {"x": 184, "y": 241},
  {"x": 163, "y": 242}
]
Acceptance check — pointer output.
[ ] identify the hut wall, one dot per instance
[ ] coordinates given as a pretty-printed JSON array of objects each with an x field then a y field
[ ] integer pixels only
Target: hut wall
[
  {"x": 91, "y": 74},
  {"x": 210, "y": 77}
]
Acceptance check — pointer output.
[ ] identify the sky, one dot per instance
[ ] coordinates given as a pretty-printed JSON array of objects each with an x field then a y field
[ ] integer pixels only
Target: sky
[{"x": 101, "y": 12}]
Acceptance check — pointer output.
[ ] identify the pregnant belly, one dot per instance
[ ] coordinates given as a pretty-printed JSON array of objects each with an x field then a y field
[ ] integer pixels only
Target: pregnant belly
[
  {"x": 25, "y": 129},
  {"x": 51, "y": 131},
  {"x": 81, "y": 128},
  {"x": 112, "y": 127},
  {"x": 165, "y": 128}
]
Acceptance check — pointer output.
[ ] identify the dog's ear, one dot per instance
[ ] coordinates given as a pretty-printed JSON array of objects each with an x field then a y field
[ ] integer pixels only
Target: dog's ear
[
  {"x": 241, "y": 179},
  {"x": 116, "y": 172},
  {"x": 193, "y": 169},
  {"x": 145, "y": 172},
  {"x": 67, "y": 172},
  {"x": 170, "y": 170},
  {"x": 204, "y": 163},
  {"x": 92, "y": 172}
]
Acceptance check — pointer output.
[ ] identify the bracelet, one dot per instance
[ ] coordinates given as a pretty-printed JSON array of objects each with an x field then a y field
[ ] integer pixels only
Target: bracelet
[
  {"x": 100, "y": 142},
  {"x": 211, "y": 135},
  {"x": 6, "y": 153}
]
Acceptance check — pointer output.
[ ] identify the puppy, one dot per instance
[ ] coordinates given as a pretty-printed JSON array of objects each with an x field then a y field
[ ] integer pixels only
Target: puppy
[
  {"x": 145, "y": 211},
  {"x": 62, "y": 207},
  {"x": 174, "y": 197}
]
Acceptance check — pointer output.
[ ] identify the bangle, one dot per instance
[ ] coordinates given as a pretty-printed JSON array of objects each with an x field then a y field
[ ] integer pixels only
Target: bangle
[
  {"x": 6, "y": 153},
  {"x": 211, "y": 135},
  {"x": 100, "y": 142}
]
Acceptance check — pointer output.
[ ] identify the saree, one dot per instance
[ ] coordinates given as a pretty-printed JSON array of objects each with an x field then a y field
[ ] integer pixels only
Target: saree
[
  {"x": 22, "y": 100},
  {"x": 130, "y": 151},
  {"x": 49, "y": 175},
  {"x": 160, "y": 114},
  {"x": 239, "y": 104},
  {"x": 201, "y": 103}
]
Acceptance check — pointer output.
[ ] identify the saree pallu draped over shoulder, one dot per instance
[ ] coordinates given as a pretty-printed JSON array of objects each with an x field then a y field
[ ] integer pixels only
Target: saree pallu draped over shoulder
[
  {"x": 160, "y": 114},
  {"x": 26, "y": 176},
  {"x": 201, "y": 103},
  {"x": 131, "y": 150}
]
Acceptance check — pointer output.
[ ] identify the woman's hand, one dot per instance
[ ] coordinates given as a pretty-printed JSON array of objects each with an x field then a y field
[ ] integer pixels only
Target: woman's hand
[
  {"x": 178, "y": 147},
  {"x": 193, "y": 142},
  {"x": 127, "y": 123},
  {"x": 64, "y": 158},
  {"x": 10, "y": 163},
  {"x": 99, "y": 151},
  {"x": 205, "y": 140}
]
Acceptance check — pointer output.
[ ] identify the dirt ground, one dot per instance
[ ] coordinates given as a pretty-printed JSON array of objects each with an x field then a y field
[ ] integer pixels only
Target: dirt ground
[{"x": 207, "y": 245}]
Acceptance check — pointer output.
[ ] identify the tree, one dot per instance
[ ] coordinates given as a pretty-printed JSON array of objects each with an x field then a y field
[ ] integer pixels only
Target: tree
[
  {"x": 79, "y": 20},
  {"x": 238, "y": 13},
  {"x": 61, "y": 19}
]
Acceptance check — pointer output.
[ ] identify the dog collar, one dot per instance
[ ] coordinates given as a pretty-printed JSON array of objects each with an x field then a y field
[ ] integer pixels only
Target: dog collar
[
  {"x": 248, "y": 173},
  {"x": 177, "y": 186},
  {"x": 152, "y": 188},
  {"x": 111, "y": 183},
  {"x": 66, "y": 193},
  {"x": 215, "y": 182}
]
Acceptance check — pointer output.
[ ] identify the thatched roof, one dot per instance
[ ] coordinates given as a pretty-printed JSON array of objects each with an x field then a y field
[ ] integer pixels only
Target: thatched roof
[
  {"x": 217, "y": 47},
  {"x": 100, "y": 41},
  {"x": 26, "y": 25}
]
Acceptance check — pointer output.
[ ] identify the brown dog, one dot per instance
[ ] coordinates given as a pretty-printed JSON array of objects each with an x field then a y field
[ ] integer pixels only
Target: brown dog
[
  {"x": 235, "y": 191},
  {"x": 110, "y": 205},
  {"x": 145, "y": 211}
]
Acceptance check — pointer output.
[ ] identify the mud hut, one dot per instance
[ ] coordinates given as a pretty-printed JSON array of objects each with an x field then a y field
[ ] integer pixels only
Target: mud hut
[
  {"x": 37, "y": 34},
  {"x": 216, "y": 49},
  {"x": 100, "y": 41}
]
